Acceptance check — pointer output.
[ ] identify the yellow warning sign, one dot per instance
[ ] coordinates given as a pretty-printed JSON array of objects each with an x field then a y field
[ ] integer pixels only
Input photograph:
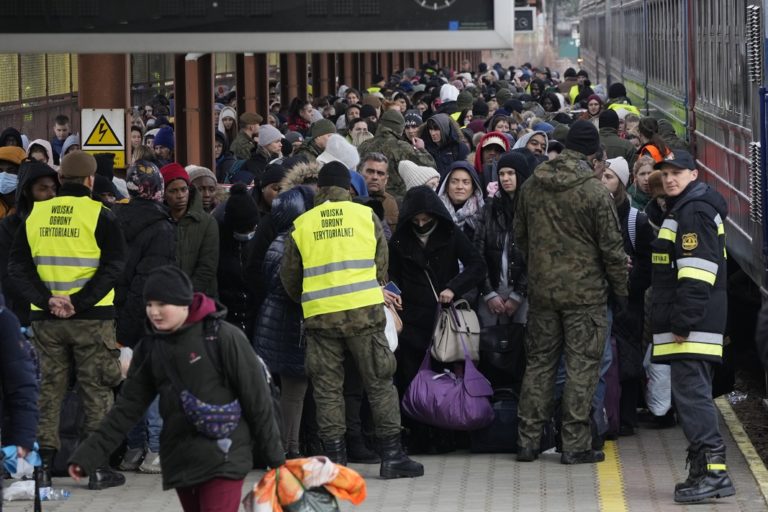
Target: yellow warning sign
[{"x": 102, "y": 135}]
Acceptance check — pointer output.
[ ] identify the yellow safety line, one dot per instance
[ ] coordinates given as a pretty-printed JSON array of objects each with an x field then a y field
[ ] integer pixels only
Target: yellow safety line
[
  {"x": 610, "y": 481},
  {"x": 756, "y": 466}
]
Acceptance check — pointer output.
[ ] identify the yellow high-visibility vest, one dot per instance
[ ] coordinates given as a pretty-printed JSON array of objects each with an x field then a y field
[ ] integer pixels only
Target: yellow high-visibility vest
[
  {"x": 337, "y": 242},
  {"x": 625, "y": 106},
  {"x": 573, "y": 93},
  {"x": 62, "y": 238}
]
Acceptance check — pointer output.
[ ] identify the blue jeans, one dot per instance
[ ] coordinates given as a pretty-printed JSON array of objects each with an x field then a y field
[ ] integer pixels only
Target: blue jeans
[
  {"x": 147, "y": 431},
  {"x": 598, "y": 409}
]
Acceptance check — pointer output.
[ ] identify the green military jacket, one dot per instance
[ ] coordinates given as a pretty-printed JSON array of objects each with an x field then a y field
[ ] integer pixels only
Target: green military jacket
[
  {"x": 395, "y": 149},
  {"x": 353, "y": 322},
  {"x": 242, "y": 146},
  {"x": 615, "y": 146},
  {"x": 567, "y": 226},
  {"x": 309, "y": 150}
]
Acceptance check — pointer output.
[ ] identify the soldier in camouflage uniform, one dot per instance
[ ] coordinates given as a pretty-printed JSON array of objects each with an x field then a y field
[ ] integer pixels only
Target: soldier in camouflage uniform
[
  {"x": 334, "y": 259},
  {"x": 320, "y": 132},
  {"x": 566, "y": 224},
  {"x": 389, "y": 141}
]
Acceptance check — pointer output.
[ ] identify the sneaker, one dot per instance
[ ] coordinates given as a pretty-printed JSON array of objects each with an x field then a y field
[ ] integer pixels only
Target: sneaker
[
  {"x": 151, "y": 463},
  {"x": 132, "y": 459}
]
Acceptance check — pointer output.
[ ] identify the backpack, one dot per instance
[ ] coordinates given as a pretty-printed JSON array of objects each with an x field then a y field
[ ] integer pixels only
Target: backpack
[{"x": 233, "y": 170}]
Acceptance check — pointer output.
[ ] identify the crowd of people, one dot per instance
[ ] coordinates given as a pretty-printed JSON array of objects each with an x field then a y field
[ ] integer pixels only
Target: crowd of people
[{"x": 553, "y": 207}]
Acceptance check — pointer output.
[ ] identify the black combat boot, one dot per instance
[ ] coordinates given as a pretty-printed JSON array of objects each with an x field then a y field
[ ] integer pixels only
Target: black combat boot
[
  {"x": 358, "y": 452},
  {"x": 336, "y": 450},
  {"x": 394, "y": 462},
  {"x": 104, "y": 478},
  {"x": 696, "y": 463},
  {"x": 713, "y": 483},
  {"x": 585, "y": 457},
  {"x": 44, "y": 473},
  {"x": 527, "y": 454}
]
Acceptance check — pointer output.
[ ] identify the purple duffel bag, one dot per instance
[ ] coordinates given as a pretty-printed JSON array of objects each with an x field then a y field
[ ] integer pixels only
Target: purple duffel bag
[{"x": 448, "y": 401}]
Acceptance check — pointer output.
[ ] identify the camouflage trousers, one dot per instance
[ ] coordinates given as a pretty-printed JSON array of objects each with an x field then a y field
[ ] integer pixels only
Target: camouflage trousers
[
  {"x": 376, "y": 364},
  {"x": 90, "y": 346},
  {"x": 579, "y": 333}
]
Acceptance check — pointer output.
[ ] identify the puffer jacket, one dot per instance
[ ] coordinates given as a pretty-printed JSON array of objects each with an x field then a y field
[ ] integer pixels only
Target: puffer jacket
[
  {"x": 278, "y": 336},
  {"x": 451, "y": 147},
  {"x": 410, "y": 262},
  {"x": 197, "y": 245},
  {"x": 151, "y": 241},
  {"x": 190, "y": 458}
]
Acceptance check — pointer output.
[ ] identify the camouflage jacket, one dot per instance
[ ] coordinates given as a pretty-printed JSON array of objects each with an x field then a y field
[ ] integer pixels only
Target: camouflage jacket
[
  {"x": 567, "y": 226},
  {"x": 242, "y": 146},
  {"x": 308, "y": 150},
  {"x": 395, "y": 149},
  {"x": 353, "y": 322}
]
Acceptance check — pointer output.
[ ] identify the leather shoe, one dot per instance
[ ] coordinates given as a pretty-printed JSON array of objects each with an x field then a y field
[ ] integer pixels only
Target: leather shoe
[
  {"x": 525, "y": 454},
  {"x": 104, "y": 477},
  {"x": 585, "y": 457}
]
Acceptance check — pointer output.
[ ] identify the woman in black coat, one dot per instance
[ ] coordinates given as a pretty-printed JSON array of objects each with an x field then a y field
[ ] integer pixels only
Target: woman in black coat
[
  {"x": 278, "y": 335},
  {"x": 443, "y": 141},
  {"x": 427, "y": 243}
]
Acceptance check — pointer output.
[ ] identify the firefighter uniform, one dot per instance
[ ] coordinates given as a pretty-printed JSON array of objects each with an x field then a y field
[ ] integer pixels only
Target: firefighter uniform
[{"x": 690, "y": 303}]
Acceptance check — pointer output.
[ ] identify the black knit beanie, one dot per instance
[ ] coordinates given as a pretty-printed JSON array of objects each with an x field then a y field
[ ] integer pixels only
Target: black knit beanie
[
  {"x": 617, "y": 90},
  {"x": 241, "y": 214},
  {"x": 105, "y": 165},
  {"x": 170, "y": 285},
  {"x": 480, "y": 108},
  {"x": 583, "y": 137},
  {"x": 609, "y": 119},
  {"x": 334, "y": 174}
]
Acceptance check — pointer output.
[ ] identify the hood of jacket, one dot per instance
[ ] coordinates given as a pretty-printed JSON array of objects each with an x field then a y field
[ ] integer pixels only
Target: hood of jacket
[
  {"x": 421, "y": 199},
  {"x": 289, "y": 205},
  {"x": 700, "y": 191},
  {"x": 12, "y": 132},
  {"x": 383, "y": 131},
  {"x": 448, "y": 131},
  {"x": 523, "y": 141},
  {"x": 139, "y": 214},
  {"x": 46, "y": 145},
  {"x": 300, "y": 174},
  {"x": 195, "y": 208},
  {"x": 567, "y": 171},
  {"x": 226, "y": 112},
  {"x": 28, "y": 173},
  {"x": 479, "y": 151},
  {"x": 461, "y": 165},
  {"x": 70, "y": 141}
]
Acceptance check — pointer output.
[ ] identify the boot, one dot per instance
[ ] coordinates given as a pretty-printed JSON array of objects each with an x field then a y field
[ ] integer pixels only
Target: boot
[
  {"x": 104, "y": 477},
  {"x": 44, "y": 474},
  {"x": 358, "y": 452},
  {"x": 585, "y": 457},
  {"x": 696, "y": 463},
  {"x": 527, "y": 454},
  {"x": 394, "y": 462},
  {"x": 714, "y": 482},
  {"x": 336, "y": 450}
]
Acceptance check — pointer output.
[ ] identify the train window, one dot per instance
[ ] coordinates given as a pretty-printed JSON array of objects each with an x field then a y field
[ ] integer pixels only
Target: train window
[
  {"x": 73, "y": 67},
  {"x": 9, "y": 78},
  {"x": 59, "y": 81},
  {"x": 32, "y": 76},
  {"x": 139, "y": 68}
]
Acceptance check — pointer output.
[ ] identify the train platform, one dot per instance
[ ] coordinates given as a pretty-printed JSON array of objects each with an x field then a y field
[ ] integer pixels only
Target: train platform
[{"x": 639, "y": 474}]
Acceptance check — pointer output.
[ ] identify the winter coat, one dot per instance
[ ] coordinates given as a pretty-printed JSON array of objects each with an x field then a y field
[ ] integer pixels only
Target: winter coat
[
  {"x": 308, "y": 150},
  {"x": 190, "y": 458},
  {"x": 11, "y": 132},
  {"x": 638, "y": 198},
  {"x": 18, "y": 384},
  {"x": 468, "y": 215},
  {"x": 668, "y": 134},
  {"x": 233, "y": 292},
  {"x": 615, "y": 146},
  {"x": 242, "y": 146},
  {"x": 640, "y": 252},
  {"x": 278, "y": 337},
  {"x": 197, "y": 245},
  {"x": 451, "y": 147},
  {"x": 689, "y": 295},
  {"x": 151, "y": 240},
  {"x": 9, "y": 225},
  {"x": 389, "y": 143},
  {"x": 567, "y": 227},
  {"x": 409, "y": 259},
  {"x": 46, "y": 146}
]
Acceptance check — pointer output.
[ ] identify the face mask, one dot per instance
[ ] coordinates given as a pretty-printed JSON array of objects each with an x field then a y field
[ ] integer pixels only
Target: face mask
[
  {"x": 424, "y": 228},
  {"x": 8, "y": 182},
  {"x": 244, "y": 237}
]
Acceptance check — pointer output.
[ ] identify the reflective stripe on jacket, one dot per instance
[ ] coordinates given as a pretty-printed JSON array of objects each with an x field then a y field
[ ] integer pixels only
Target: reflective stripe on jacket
[
  {"x": 337, "y": 242},
  {"x": 689, "y": 280},
  {"x": 62, "y": 239}
]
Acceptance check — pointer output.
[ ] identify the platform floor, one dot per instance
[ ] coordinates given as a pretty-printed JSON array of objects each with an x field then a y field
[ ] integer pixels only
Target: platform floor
[{"x": 638, "y": 475}]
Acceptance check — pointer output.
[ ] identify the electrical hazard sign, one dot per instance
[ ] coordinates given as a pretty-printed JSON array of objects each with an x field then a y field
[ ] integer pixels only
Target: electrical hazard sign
[{"x": 105, "y": 129}]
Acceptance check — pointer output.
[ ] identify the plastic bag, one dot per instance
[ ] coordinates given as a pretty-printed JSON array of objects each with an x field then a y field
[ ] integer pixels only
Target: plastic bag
[
  {"x": 22, "y": 490},
  {"x": 390, "y": 331},
  {"x": 658, "y": 391},
  {"x": 126, "y": 355}
]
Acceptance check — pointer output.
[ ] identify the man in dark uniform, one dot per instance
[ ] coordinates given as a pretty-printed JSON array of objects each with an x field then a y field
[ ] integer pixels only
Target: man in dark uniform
[
  {"x": 689, "y": 315},
  {"x": 66, "y": 259}
]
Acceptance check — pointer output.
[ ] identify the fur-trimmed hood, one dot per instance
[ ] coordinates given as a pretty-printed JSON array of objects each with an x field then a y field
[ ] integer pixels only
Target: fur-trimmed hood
[{"x": 302, "y": 173}]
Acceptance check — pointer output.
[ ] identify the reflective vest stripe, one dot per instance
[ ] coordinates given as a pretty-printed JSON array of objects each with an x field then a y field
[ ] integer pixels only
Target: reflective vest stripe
[
  {"x": 66, "y": 286},
  {"x": 699, "y": 275},
  {"x": 338, "y": 265},
  {"x": 688, "y": 347},
  {"x": 697, "y": 336},
  {"x": 573, "y": 93},
  {"x": 716, "y": 467},
  {"x": 667, "y": 234},
  {"x": 339, "y": 290},
  {"x": 66, "y": 261},
  {"x": 699, "y": 263},
  {"x": 660, "y": 258}
]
